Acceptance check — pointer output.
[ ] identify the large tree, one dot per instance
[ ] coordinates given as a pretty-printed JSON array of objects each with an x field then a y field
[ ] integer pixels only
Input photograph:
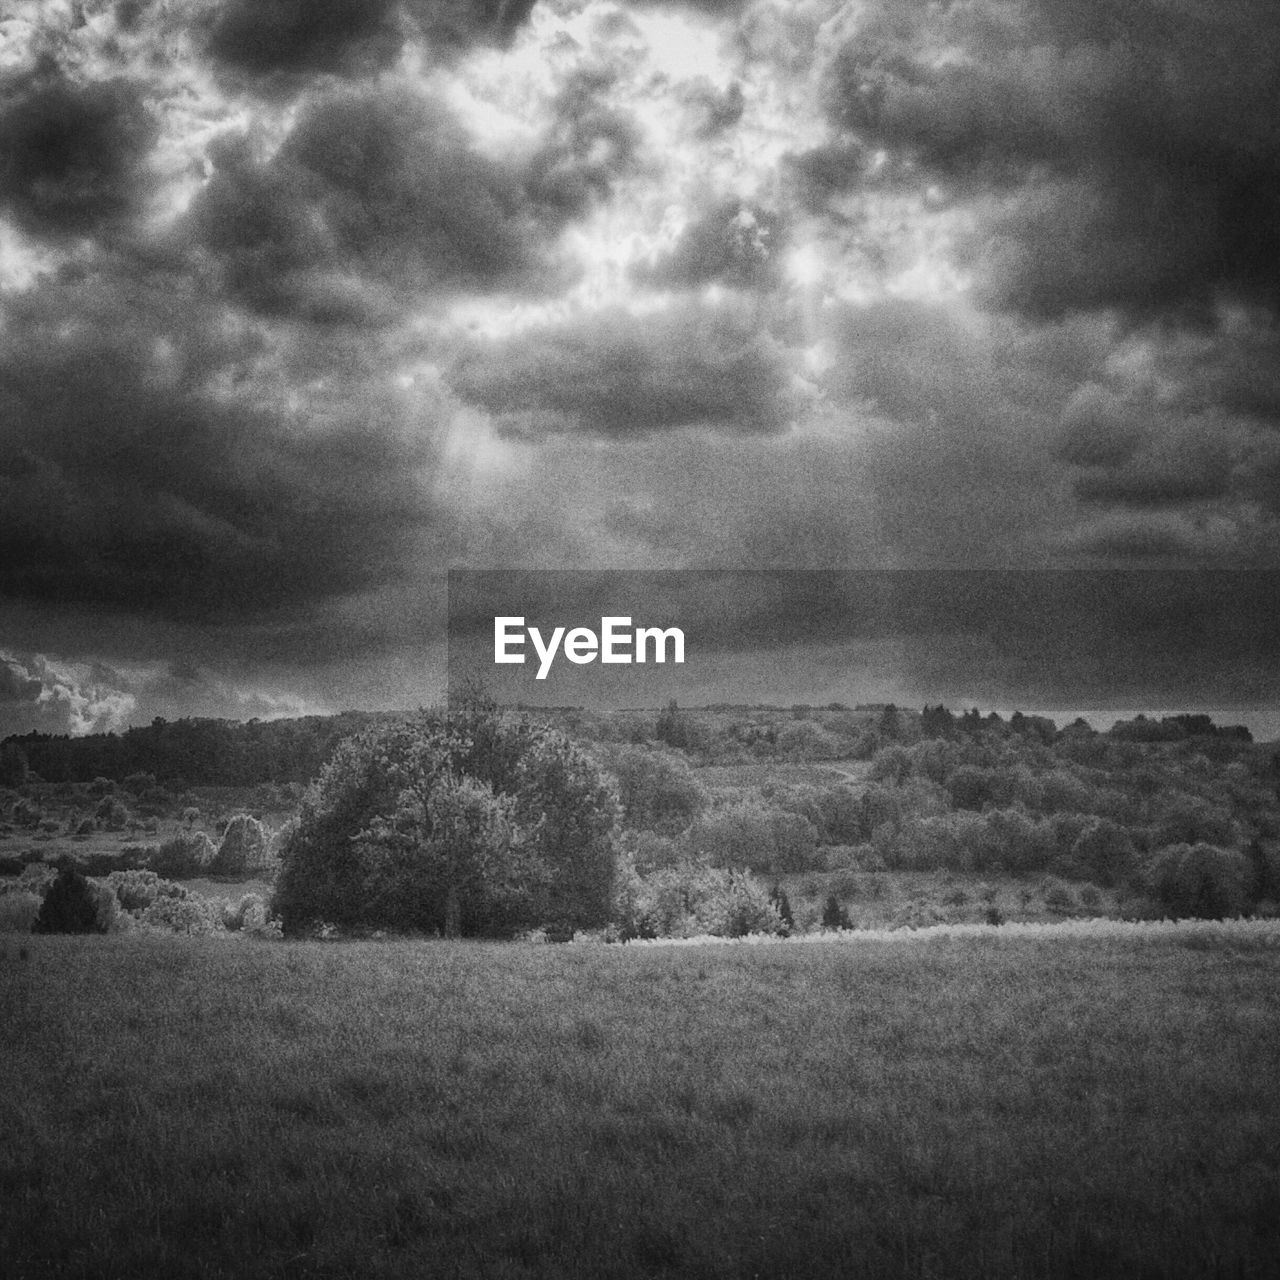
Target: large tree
[{"x": 466, "y": 821}]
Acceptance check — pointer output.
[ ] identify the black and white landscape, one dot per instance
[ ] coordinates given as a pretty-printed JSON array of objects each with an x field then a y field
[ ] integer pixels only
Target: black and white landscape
[{"x": 905, "y": 373}]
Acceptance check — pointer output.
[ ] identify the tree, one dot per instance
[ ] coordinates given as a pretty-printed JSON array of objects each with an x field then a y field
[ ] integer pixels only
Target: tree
[
  {"x": 1200, "y": 880},
  {"x": 13, "y": 765},
  {"x": 69, "y": 906},
  {"x": 890, "y": 724},
  {"x": 834, "y": 916},
  {"x": 674, "y": 727},
  {"x": 782, "y": 905},
  {"x": 658, "y": 790},
  {"x": 465, "y": 821}
]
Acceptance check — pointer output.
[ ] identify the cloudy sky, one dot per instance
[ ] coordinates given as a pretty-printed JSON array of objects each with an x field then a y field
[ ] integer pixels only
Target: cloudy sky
[{"x": 304, "y": 302}]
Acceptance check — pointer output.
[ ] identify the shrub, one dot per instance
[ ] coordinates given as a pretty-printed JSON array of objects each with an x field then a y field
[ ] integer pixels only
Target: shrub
[
  {"x": 244, "y": 849},
  {"x": 1090, "y": 897},
  {"x": 26, "y": 813},
  {"x": 109, "y": 917},
  {"x": 1187, "y": 819},
  {"x": 18, "y": 911},
  {"x": 1057, "y": 896},
  {"x": 1201, "y": 881},
  {"x": 657, "y": 790},
  {"x": 834, "y": 916},
  {"x": 751, "y": 836},
  {"x": 69, "y": 906},
  {"x": 1106, "y": 852},
  {"x": 648, "y": 850},
  {"x": 692, "y": 899},
  {"x": 233, "y": 916},
  {"x": 186, "y": 855},
  {"x": 111, "y": 814},
  {"x": 259, "y": 923},
  {"x": 782, "y": 905},
  {"x": 191, "y": 914},
  {"x": 136, "y": 889}
]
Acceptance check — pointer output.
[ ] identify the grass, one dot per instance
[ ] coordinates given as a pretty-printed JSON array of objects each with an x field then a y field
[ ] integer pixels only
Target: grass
[
  {"x": 816, "y": 774},
  {"x": 993, "y": 1106}
]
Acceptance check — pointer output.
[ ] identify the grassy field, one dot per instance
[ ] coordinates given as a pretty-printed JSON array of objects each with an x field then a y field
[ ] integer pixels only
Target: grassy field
[
  {"x": 754, "y": 775},
  {"x": 995, "y": 1106}
]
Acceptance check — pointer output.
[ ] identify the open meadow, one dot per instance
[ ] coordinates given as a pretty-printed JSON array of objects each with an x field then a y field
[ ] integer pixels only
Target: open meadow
[{"x": 1001, "y": 1105}]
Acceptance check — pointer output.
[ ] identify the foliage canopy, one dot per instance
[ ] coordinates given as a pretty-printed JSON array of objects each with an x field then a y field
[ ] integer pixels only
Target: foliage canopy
[{"x": 462, "y": 822}]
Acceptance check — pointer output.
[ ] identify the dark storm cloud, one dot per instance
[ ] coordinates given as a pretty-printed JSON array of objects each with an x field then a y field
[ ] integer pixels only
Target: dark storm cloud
[
  {"x": 1181, "y": 469},
  {"x": 17, "y": 684},
  {"x": 716, "y": 8},
  {"x": 375, "y": 196},
  {"x": 73, "y": 157},
  {"x": 1098, "y": 429},
  {"x": 589, "y": 145},
  {"x": 732, "y": 243},
  {"x": 284, "y": 39},
  {"x": 133, "y": 478},
  {"x": 1159, "y": 537},
  {"x": 621, "y": 375},
  {"x": 306, "y": 35},
  {"x": 1133, "y": 144}
]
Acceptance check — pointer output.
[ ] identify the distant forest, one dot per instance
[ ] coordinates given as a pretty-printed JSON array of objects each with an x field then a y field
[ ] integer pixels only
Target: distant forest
[
  {"x": 200, "y": 752},
  {"x": 180, "y": 753}
]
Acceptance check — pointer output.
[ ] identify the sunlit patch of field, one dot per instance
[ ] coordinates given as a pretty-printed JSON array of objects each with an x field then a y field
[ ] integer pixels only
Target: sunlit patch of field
[
  {"x": 814, "y": 774},
  {"x": 995, "y": 1105}
]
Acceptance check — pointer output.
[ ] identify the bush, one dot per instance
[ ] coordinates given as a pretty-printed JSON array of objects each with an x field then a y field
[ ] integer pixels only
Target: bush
[
  {"x": 782, "y": 905},
  {"x": 111, "y": 815},
  {"x": 1200, "y": 881},
  {"x": 233, "y": 916},
  {"x": 648, "y": 850},
  {"x": 1106, "y": 851},
  {"x": 136, "y": 890},
  {"x": 190, "y": 914},
  {"x": 69, "y": 906},
  {"x": 692, "y": 899},
  {"x": 657, "y": 790},
  {"x": 834, "y": 916},
  {"x": 1090, "y": 897},
  {"x": 26, "y": 813},
  {"x": 1057, "y": 896},
  {"x": 18, "y": 911},
  {"x": 749, "y": 835},
  {"x": 186, "y": 855},
  {"x": 259, "y": 923},
  {"x": 244, "y": 849},
  {"x": 109, "y": 917}
]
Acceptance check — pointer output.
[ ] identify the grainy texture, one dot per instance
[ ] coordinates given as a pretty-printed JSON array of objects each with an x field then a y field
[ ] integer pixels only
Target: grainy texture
[{"x": 990, "y": 1106}]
